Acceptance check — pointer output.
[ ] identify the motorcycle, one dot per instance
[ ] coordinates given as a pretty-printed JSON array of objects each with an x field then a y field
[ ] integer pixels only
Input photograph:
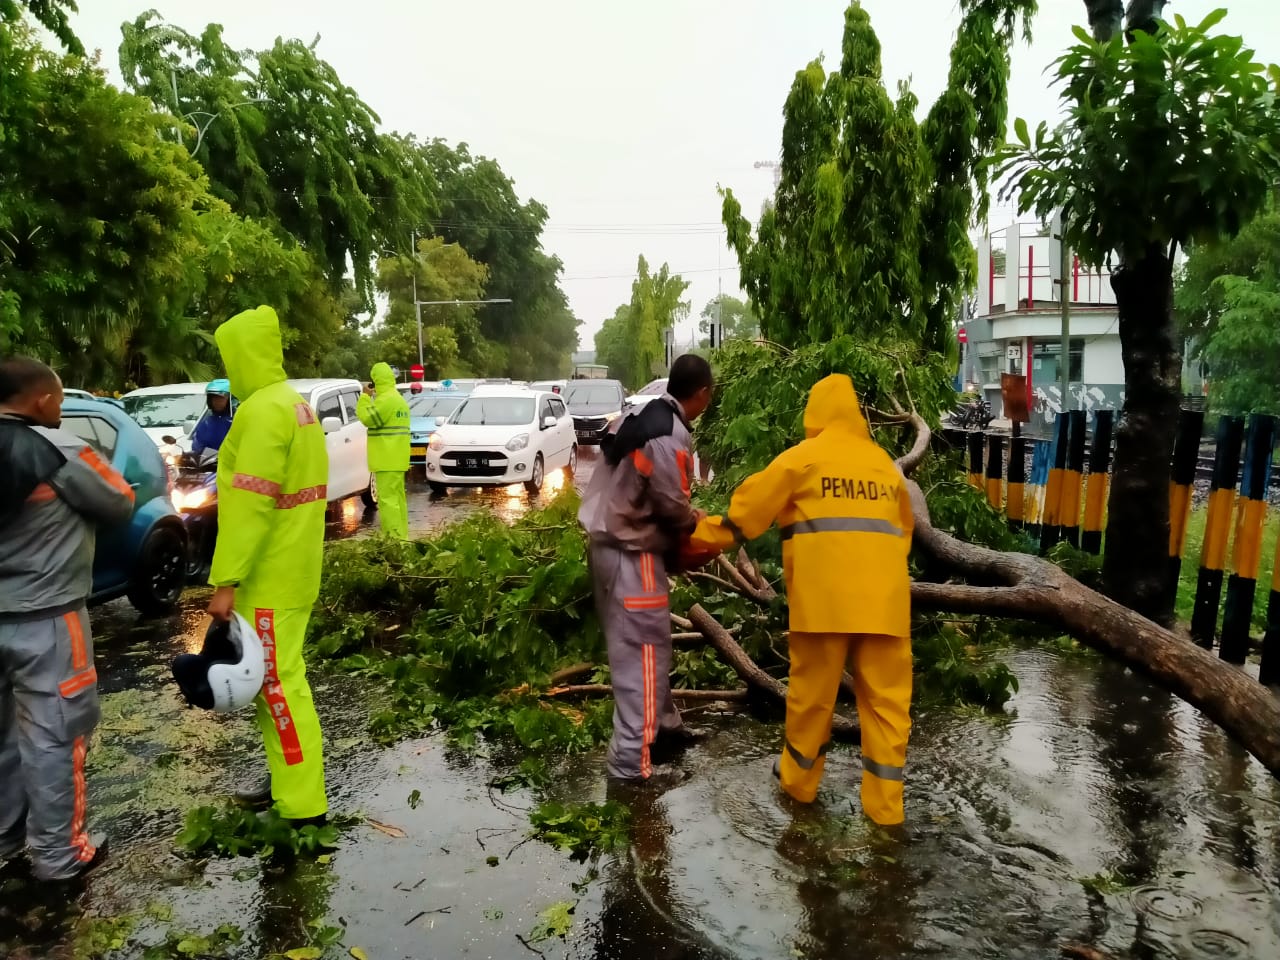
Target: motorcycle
[
  {"x": 972, "y": 415},
  {"x": 195, "y": 497}
]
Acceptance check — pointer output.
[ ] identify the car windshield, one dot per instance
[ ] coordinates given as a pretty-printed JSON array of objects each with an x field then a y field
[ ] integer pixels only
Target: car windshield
[
  {"x": 433, "y": 405},
  {"x": 495, "y": 411},
  {"x": 654, "y": 388},
  {"x": 164, "y": 409},
  {"x": 595, "y": 393}
]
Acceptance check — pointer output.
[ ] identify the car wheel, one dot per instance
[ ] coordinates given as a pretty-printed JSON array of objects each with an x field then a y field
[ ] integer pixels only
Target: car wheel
[
  {"x": 160, "y": 573},
  {"x": 438, "y": 489},
  {"x": 573, "y": 462},
  {"x": 534, "y": 483},
  {"x": 370, "y": 496}
]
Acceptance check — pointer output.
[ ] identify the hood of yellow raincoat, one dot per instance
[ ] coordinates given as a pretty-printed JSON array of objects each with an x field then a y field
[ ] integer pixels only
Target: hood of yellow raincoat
[
  {"x": 833, "y": 404},
  {"x": 382, "y": 377},
  {"x": 251, "y": 351}
]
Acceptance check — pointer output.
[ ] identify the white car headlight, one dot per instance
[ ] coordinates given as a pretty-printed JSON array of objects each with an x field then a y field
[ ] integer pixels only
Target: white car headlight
[
  {"x": 436, "y": 442},
  {"x": 191, "y": 499},
  {"x": 518, "y": 442}
]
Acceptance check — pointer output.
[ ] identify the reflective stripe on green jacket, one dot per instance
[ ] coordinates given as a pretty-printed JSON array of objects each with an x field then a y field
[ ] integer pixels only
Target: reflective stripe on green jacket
[
  {"x": 387, "y": 417},
  {"x": 273, "y": 472}
]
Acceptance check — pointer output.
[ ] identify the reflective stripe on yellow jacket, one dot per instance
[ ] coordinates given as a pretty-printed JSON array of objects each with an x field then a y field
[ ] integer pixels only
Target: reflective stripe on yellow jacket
[
  {"x": 273, "y": 471},
  {"x": 386, "y": 417},
  {"x": 845, "y": 517}
]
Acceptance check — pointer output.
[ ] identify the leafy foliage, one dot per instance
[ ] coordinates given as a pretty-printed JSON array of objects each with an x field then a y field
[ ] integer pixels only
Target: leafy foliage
[
  {"x": 231, "y": 831},
  {"x": 1198, "y": 297},
  {"x": 951, "y": 667},
  {"x": 1170, "y": 138},
  {"x": 873, "y": 202},
  {"x": 284, "y": 140},
  {"x": 630, "y": 342},
  {"x": 555, "y": 921},
  {"x": 582, "y": 829},
  {"x": 739, "y": 319},
  {"x": 90, "y": 273},
  {"x": 50, "y": 14}
]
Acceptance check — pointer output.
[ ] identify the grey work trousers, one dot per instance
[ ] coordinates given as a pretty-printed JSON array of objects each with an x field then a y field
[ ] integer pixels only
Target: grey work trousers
[
  {"x": 631, "y": 601},
  {"x": 48, "y": 709}
]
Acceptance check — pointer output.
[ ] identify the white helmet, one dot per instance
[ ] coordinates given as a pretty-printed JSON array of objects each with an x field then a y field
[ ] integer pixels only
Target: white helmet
[{"x": 227, "y": 673}]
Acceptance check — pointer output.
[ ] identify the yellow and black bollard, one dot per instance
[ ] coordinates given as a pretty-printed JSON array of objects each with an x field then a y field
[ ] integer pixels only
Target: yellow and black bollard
[
  {"x": 1015, "y": 507},
  {"x": 1269, "y": 670},
  {"x": 975, "y": 460},
  {"x": 1217, "y": 528},
  {"x": 995, "y": 472},
  {"x": 1042, "y": 456},
  {"x": 1186, "y": 452},
  {"x": 1051, "y": 521},
  {"x": 1069, "y": 514},
  {"x": 1095, "y": 501},
  {"x": 1246, "y": 552}
]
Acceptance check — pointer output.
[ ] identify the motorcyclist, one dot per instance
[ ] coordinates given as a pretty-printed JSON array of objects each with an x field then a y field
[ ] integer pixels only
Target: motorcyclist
[{"x": 213, "y": 426}]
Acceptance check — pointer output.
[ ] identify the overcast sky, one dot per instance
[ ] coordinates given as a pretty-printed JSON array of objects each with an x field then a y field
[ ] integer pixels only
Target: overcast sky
[{"x": 623, "y": 117}]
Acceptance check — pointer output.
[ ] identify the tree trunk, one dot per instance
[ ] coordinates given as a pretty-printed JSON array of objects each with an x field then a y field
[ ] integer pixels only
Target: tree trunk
[{"x": 1137, "y": 548}]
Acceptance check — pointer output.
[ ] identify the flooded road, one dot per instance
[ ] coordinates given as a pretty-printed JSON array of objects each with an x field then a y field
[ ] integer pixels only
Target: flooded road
[{"x": 1097, "y": 810}]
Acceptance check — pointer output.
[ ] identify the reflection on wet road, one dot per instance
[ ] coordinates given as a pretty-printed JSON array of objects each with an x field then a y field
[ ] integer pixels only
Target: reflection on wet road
[
  {"x": 1098, "y": 810},
  {"x": 350, "y": 518}
]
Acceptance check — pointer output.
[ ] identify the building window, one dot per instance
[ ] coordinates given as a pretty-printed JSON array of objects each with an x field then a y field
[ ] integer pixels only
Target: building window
[
  {"x": 989, "y": 369},
  {"x": 1044, "y": 361}
]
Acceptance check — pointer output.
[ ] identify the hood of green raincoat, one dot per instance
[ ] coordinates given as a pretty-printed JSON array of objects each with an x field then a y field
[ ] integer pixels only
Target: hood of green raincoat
[
  {"x": 833, "y": 404},
  {"x": 382, "y": 377},
  {"x": 251, "y": 351}
]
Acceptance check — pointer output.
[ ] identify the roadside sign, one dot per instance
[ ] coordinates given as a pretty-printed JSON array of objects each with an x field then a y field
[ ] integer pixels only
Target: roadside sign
[
  {"x": 417, "y": 372},
  {"x": 963, "y": 335}
]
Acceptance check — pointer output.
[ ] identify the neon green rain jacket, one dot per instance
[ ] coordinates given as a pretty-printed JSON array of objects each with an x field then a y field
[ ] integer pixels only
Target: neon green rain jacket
[
  {"x": 273, "y": 471},
  {"x": 387, "y": 417}
]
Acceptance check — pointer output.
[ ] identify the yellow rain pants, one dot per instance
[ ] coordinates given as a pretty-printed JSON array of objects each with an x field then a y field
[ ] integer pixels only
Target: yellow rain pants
[{"x": 881, "y": 668}]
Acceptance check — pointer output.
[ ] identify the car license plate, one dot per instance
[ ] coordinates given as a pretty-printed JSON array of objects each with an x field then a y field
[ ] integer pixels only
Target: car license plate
[
  {"x": 472, "y": 463},
  {"x": 586, "y": 433},
  {"x": 417, "y": 451}
]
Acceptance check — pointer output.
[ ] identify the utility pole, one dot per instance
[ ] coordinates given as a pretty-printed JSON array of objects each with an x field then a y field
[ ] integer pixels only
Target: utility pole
[
  {"x": 416, "y": 305},
  {"x": 1064, "y": 370}
]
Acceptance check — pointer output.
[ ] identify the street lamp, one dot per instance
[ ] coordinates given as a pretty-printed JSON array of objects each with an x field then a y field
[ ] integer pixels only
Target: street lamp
[{"x": 419, "y": 304}]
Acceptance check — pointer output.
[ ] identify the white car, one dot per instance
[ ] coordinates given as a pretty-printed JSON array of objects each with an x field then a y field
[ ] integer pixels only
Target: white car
[
  {"x": 498, "y": 437},
  {"x": 650, "y": 391},
  {"x": 172, "y": 410},
  {"x": 345, "y": 437}
]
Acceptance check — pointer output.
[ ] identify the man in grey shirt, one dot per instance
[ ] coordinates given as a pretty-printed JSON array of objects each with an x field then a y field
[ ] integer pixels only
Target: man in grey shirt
[{"x": 53, "y": 491}]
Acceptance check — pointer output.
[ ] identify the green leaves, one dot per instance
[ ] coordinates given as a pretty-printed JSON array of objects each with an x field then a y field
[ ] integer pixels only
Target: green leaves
[
  {"x": 555, "y": 921},
  {"x": 582, "y": 829},
  {"x": 1170, "y": 138},
  {"x": 233, "y": 832},
  {"x": 630, "y": 342}
]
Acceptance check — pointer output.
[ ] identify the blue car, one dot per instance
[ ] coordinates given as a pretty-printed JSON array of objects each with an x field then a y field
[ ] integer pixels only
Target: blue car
[
  {"x": 144, "y": 559},
  {"x": 423, "y": 409}
]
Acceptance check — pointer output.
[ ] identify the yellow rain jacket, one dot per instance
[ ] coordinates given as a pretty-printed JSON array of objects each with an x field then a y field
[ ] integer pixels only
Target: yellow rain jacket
[
  {"x": 845, "y": 517},
  {"x": 273, "y": 472},
  {"x": 387, "y": 418}
]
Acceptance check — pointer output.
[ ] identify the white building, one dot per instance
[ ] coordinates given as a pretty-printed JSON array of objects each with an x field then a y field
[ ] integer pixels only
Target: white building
[{"x": 1017, "y": 326}]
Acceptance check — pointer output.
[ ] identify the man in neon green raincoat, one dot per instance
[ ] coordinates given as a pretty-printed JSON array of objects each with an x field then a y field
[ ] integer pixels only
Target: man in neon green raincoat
[
  {"x": 386, "y": 414},
  {"x": 273, "y": 471}
]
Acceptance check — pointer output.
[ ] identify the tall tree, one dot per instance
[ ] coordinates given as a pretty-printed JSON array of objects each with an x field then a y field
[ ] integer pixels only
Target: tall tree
[
  {"x": 1171, "y": 136},
  {"x": 284, "y": 140},
  {"x": 869, "y": 230},
  {"x": 630, "y": 342},
  {"x": 453, "y": 344},
  {"x": 50, "y": 14},
  {"x": 98, "y": 221},
  {"x": 478, "y": 208},
  {"x": 1244, "y": 348},
  {"x": 737, "y": 317}
]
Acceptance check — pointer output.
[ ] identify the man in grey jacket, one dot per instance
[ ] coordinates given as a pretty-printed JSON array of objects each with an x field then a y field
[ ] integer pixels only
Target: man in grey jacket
[
  {"x": 636, "y": 511},
  {"x": 53, "y": 490}
]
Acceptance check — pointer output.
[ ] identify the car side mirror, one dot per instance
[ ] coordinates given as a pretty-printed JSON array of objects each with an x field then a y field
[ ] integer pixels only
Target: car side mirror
[
  {"x": 190, "y": 427},
  {"x": 331, "y": 424},
  {"x": 440, "y": 421},
  {"x": 548, "y": 422}
]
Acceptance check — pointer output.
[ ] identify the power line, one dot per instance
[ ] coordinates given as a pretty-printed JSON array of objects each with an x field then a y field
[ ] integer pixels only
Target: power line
[{"x": 632, "y": 275}]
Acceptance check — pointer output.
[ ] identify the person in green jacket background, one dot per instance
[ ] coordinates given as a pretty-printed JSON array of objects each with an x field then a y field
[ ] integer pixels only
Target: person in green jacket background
[
  {"x": 386, "y": 414},
  {"x": 273, "y": 474}
]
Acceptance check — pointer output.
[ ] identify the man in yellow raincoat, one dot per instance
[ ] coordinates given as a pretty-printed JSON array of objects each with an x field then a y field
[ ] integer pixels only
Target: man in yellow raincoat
[
  {"x": 845, "y": 517},
  {"x": 273, "y": 472},
  {"x": 386, "y": 414}
]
